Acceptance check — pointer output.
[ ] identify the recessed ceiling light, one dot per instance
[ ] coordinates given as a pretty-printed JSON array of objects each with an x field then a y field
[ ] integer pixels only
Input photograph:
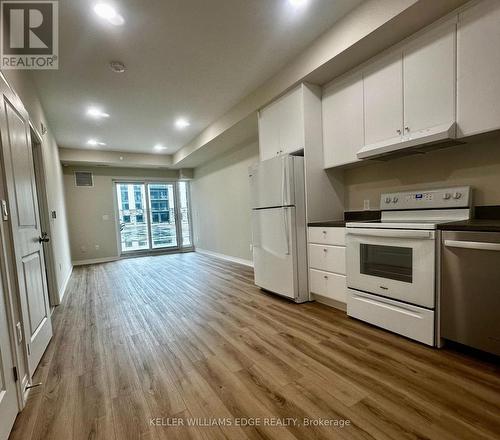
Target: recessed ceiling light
[
  {"x": 117, "y": 66},
  {"x": 95, "y": 143},
  {"x": 159, "y": 147},
  {"x": 96, "y": 113},
  {"x": 182, "y": 123},
  {"x": 108, "y": 13}
]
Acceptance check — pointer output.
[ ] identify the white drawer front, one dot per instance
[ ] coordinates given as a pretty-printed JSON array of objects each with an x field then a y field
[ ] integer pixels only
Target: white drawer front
[
  {"x": 332, "y": 236},
  {"x": 407, "y": 320},
  {"x": 328, "y": 284},
  {"x": 329, "y": 258}
]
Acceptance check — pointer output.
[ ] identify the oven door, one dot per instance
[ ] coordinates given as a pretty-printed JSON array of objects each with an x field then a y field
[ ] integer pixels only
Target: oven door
[{"x": 397, "y": 264}]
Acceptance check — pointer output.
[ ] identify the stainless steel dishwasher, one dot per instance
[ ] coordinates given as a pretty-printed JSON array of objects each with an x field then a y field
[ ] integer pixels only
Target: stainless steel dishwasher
[{"x": 470, "y": 289}]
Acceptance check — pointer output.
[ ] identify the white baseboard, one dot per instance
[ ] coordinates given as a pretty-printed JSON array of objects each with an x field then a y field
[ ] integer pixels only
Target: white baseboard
[
  {"x": 242, "y": 261},
  {"x": 329, "y": 302},
  {"x": 95, "y": 261},
  {"x": 62, "y": 289}
]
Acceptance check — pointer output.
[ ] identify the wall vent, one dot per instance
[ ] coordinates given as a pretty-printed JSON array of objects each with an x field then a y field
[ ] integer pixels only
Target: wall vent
[{"x": 84, "y": 178}]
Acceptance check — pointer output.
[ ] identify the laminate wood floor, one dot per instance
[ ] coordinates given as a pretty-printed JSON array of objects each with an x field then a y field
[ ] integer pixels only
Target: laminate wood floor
[{"x": 143, "y": 344}]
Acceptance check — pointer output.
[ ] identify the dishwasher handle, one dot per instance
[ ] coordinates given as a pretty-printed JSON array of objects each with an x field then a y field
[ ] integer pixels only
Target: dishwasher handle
[{"x": 479, "y": 245}]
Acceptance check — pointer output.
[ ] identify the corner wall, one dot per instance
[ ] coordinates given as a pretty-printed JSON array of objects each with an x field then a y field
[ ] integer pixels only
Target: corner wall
[{"x": 220, "y": 196}]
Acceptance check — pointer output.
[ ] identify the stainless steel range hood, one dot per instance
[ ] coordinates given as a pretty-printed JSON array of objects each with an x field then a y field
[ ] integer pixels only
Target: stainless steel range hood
[{"x": 422, "y": 141}]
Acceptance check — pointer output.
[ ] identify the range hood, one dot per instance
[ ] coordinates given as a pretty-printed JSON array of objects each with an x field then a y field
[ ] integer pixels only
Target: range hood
[{"x": 422, "y": 141}]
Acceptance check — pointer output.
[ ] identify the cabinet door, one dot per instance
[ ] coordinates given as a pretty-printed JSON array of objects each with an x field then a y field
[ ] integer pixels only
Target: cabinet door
[
  {"x": 478, "y": 71},
  {"x": 429, "y": 80},
  {"x": 291, "y": 121},
  {"x": 383, "y": 99},
  {"x": 343, "y": 125},
  {"x": 269, "y": 139}
]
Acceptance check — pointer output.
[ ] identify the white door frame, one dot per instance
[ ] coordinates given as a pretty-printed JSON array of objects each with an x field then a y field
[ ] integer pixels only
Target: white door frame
[
  {"x": 6, "y": 261},
  {"x": 41, "y": 187},
  {"x": 21, "y": 243},
  {"x": 9, "y": 281}
]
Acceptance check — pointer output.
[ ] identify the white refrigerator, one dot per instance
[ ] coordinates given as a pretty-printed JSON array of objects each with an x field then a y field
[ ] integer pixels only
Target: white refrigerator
[{"x": 279, "y": 226}]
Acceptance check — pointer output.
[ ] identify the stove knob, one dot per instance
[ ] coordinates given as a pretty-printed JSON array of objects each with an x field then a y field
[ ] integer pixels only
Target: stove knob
[
  {"x": 395, "y": 200},
  {"x": 457, "y": 195},
  {"x": 387, "y": 200},
  {"x": 447, "y": 196}
]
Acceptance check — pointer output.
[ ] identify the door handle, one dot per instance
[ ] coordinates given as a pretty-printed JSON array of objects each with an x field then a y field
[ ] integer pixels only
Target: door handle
[
  {"x": 44, "y": 238},
  {"x": 391, "y": 233}
]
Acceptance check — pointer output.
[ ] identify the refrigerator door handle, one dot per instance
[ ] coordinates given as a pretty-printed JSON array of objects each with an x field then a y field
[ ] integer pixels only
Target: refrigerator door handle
[
  {"x": 283, "y": 203},
  {"x": 283, "y": 180},
  {"x": 285, "y": 225}
]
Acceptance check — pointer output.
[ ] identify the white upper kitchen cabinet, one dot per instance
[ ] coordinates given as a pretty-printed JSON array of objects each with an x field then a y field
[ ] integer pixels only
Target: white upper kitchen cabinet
[
  {"x": 269, "y": 140},
  {"x": 281, "y": 125},
  {"x": 429, "y": 76},
  {"x": 343, "y": 127},
  {"x": 478, "y": 71},
  {"x": 410, "y": 94},
  {"x": 383, "y": 100}
]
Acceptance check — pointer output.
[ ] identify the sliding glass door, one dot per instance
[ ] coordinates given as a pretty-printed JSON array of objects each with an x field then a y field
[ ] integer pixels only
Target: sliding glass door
[
  {"x": 153, "y": 215},
  {"x": 133, "y": 222},
  {"x": 162, "y": 215}
]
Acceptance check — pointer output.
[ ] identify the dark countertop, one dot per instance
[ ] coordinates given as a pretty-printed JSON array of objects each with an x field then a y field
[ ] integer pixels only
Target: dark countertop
[
  {"x": 486, "y": 219},
  {"x": 480, "y": 225},
  {"x": 328, "y": 224},
  {"x": 349, "y": 216}
]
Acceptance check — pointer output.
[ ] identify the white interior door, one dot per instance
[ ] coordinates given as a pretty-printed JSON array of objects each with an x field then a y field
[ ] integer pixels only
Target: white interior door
[
  {"x": 8, "y": 398},
  {"x": 26, "y": 230}
]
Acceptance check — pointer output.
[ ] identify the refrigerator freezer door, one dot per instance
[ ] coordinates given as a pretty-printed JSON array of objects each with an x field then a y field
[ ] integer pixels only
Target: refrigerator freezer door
[
  {"x": 274, "y": 250},
  {"x": 272, "y": 183}
]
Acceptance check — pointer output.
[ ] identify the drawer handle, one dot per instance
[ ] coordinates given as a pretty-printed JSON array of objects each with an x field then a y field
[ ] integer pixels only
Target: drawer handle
[
  {"x": 325, "y": 250},
  {"x": 324, "y": 232},
  {"x": 325, "y": 277}
]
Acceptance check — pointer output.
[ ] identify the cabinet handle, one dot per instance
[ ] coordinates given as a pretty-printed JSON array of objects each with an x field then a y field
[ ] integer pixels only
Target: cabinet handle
[
  {"x": 325, "y": 250},
  {"x": 398, "y": 131},
  {"x": 324, "y": 232},
  {"x": 325, "y": 277},
  {"x": 407, "y": 128}
]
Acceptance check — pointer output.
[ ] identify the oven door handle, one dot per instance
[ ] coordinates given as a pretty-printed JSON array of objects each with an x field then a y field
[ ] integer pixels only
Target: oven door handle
[
  {"x": 479, "y": 245},
  {"x": 391, "y": 233}
]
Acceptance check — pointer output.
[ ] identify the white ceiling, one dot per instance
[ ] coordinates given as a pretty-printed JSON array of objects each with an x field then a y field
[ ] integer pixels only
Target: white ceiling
[{"x": 191, "y": 58}]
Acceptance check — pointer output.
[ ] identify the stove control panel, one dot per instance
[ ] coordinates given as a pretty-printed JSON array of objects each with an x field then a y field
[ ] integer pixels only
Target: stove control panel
[{"x": 457, "y": 197}]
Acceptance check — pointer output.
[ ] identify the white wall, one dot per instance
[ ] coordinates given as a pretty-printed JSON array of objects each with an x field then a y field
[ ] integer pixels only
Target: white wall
[
  {"x": 24, "y": 87},
  {"x": 220, "y": 195}
]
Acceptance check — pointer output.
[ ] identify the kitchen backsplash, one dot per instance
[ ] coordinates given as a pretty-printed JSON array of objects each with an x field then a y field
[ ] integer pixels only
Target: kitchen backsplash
[{"x": 476, "y": 164}]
